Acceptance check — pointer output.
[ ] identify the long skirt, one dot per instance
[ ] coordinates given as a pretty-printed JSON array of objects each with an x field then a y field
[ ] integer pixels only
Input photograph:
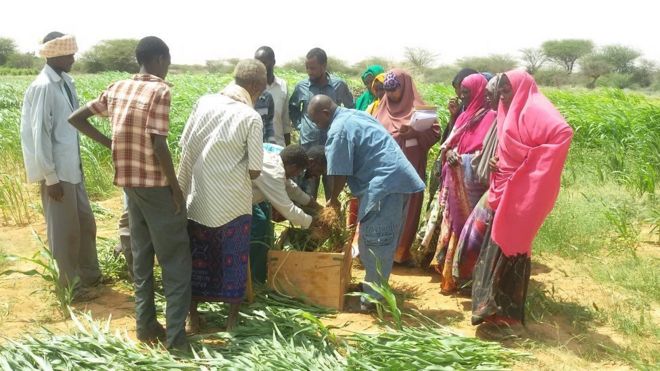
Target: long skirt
[
  {"x": 460, "y": 193},
  {"x": 426, "y": 240},
  {"x": 352, "y": 222},
  {"x": 499, "y": 289},
  {"x": 411, "y": 222},
  {"x": 220, "y": 260},
  {"x": 470, "y": 242}
]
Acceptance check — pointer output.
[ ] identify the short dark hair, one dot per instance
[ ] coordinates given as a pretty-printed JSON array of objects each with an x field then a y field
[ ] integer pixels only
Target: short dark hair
[
  {"x": 52, "y": 36},
  {"x": 319, "y": 54},
  {"x": 294, "y": 155},
  {"x": 149, "y": 48},
  {"x": 317, "y": 154},
  {"x": 267, "y": 51}
]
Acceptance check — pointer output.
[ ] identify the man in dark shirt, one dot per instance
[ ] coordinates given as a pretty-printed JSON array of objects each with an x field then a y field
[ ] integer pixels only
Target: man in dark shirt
[
  {"x": 265, "y": 106},
  {"x": 319, "y": 82}
]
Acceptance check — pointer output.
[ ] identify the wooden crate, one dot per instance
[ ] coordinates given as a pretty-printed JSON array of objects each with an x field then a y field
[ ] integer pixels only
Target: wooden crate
[{"x": 318, "y": 278}]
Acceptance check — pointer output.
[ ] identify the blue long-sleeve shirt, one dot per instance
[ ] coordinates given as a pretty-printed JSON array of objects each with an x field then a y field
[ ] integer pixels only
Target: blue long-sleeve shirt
[
  {"x": 336, "y": 89},
  {"x": 360, "y": 148}
]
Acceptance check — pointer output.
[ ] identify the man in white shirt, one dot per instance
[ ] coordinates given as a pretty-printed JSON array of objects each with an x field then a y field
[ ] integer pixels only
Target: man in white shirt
[
  {"x": 221, "y": 152},
  {"x": 278, "y": 90},
  {"x": 51, "y": 154},
  {"x": 283, "y": 194}
]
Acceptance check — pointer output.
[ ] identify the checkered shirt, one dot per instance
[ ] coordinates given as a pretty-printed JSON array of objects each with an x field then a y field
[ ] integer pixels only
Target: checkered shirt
[{"x": 137, "y": 108}]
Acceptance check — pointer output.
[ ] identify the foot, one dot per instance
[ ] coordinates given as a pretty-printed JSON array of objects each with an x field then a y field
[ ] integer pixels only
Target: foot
[
  {"x": 154, "y": 336},
  {"x": 182, "y": 348},
  {"x": 193, "y": 322},
  {"x": 488, "y": 331},
  {"x": 410, "y": 263},
  {"x": 100, "y": 280},
  {"x": 367, "y": 308},
  {"x": 84, "y": 294},
  {"x": 232, "y": 320},
  {"x": 502, "y": 321}
]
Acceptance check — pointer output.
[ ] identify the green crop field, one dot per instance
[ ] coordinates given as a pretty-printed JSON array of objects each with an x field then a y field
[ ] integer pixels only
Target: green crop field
[{"x": 606, "y": 220}]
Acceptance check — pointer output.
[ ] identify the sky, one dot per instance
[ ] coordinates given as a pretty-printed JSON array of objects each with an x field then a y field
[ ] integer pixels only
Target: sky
[{"x": 197, "y": 31}]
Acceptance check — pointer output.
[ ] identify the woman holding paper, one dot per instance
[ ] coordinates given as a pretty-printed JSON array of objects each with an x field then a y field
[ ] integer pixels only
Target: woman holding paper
[
  {"x": 395, "y": 113},
  {"x": 461, "y": 188}
]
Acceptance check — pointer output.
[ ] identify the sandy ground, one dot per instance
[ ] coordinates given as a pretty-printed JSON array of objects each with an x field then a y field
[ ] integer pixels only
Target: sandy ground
[{"x": 555, "y": 342}]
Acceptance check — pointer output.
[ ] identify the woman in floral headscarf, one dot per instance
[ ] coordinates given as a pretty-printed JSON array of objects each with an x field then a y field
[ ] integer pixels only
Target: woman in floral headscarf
[
  {"x": 533, "y": 144},
  {"x": 395, "y": 112}
]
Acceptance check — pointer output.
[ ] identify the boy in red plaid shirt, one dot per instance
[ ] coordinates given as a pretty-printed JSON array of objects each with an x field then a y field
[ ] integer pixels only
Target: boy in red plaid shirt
[{"x": 138, "y": 109}]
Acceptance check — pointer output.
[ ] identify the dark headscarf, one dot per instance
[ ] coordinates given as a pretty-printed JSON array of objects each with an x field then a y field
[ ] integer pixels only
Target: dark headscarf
[{"x": 465, "y": 72}]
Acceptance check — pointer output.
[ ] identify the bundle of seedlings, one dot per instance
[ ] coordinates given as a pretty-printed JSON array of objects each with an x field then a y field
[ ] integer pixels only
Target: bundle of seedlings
[{"x": 328, "y": 233}]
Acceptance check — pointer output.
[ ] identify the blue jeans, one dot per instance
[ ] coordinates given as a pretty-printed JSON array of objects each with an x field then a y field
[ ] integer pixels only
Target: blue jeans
[{"x": 380, "y": 230}]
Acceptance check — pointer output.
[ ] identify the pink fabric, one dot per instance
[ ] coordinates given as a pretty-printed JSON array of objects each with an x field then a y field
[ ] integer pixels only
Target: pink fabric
[
  {"x": 534, "y": 140},
  {"x": 473, "y": 123},
  {"x": 477, "y": 85}
]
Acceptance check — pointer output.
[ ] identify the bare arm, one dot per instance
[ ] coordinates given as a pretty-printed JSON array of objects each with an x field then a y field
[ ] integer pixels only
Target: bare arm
[
  {"x": 79, "y": 120},
  {"x": 338, "y": 182},
  {"x": 162, "y": 153}
]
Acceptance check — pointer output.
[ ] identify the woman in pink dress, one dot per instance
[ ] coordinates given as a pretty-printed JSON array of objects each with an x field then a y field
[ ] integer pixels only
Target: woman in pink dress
[{"x": 533, "y": 142}]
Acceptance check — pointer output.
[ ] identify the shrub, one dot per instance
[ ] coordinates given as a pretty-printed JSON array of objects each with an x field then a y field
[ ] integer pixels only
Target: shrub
[
  {"x": 494, "y": 63},
  {"x": 552, "y": 77},
  {"x": 111, "y": 55}
]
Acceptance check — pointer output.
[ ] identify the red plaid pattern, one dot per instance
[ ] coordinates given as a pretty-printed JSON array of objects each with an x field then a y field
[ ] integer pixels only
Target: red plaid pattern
[{"x": 137, "y": 108}]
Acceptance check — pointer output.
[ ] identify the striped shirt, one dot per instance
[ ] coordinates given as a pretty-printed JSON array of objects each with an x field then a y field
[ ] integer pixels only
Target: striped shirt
[
  {"x": 137, "y": 108},
  {"x": 219, "y": 144}
]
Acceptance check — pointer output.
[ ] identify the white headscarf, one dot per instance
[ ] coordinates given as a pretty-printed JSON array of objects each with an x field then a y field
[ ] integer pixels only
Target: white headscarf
[
  {"x": 493, "y": 82},
  {"x": 63, "y": 45},
  {"x": 237, "y": 93}
]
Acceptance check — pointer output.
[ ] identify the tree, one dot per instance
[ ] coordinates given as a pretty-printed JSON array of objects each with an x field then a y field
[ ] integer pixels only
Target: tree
[
  {"x": 642, "y": 73},
  {"x": 567, "y": 51},
  {"x": 336, "y": 65},
  {"x": 533, "y": 58},
  {"x": 112, "y": 55},
  {"x": 420, "y": 59},
  {"x": 594, "y": 66},
  {"x": 297, "y": 65},
  {"x": 552, "y": 76},
  {"x": 363, "y": 64},
  {"x": 23, "y": 60},
  {"x": 622, "y": 58},
  {"x": 7, "y": 48},
  {"x": 495, "y": 63},
  {"x": 222, "y": 65}
]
